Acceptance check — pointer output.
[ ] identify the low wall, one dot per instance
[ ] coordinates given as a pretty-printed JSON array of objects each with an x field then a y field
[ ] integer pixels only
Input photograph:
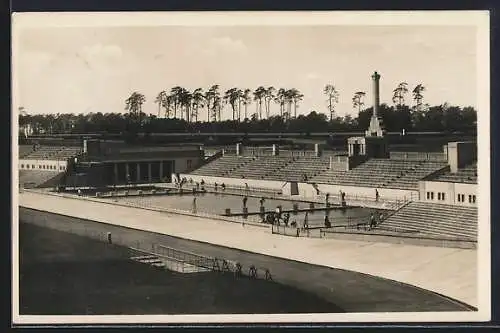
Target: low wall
[
  {"x": 399, "y": 239},
  {"x": 240, "y": 182},
  {"x": 351, "y": 192},
  {"x": 307, "y": 190}
]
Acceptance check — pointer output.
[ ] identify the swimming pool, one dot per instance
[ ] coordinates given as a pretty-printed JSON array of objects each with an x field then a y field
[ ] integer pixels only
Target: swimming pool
[{"x": 217, "y": 203}]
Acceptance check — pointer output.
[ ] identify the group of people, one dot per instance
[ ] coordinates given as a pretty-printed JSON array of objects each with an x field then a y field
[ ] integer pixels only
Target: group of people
[
  {"x": 277, "y": 218},
  {"x": 180, "y": 182},
  {"x": 216, "y": 186},
  {"x": 374, "y": 219}
]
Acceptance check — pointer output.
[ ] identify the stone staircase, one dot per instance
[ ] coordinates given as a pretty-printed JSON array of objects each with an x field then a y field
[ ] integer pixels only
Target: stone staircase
[
  {"x": 151, "y": 260},
  {"x": 166, "y": 263},
  {"x": 437, "y": 220}
]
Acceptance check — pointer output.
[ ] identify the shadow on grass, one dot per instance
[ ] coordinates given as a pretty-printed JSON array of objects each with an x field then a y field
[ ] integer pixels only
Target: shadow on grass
[{"x": 63, "y": 274}]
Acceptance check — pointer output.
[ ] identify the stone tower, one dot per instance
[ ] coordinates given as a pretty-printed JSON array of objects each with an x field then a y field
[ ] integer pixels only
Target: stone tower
[
  {"x": 376, "y": 128},
  {"x": 374, "y": 143}
]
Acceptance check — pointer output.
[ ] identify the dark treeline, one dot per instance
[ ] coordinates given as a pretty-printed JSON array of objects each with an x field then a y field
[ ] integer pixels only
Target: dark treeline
[{"x": 395, "y": 118}]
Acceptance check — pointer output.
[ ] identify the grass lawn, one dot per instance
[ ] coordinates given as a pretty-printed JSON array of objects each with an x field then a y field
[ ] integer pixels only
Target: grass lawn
[{"x": 62, "y": 274}]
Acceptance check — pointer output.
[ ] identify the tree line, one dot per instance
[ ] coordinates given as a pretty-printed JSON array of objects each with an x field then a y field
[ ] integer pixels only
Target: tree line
[
  {"x": 181, "y": 103},
  {"x": 180, "y": 110},
  {"x": 443, "y": 117}
]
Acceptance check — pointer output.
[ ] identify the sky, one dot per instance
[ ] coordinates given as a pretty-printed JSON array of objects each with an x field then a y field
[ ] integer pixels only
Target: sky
[{"x": 94, "y": 69}]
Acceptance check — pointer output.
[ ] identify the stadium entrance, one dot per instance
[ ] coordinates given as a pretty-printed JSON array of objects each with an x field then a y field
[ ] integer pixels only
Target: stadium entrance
[
  {"x": 139, "y": 172},
  {"x": 104, "y": 163}
]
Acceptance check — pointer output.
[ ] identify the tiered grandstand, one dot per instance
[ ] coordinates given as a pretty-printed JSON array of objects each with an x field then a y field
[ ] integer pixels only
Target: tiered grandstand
[
  {"x": 281, "y": 168},
  {"x": 42, "y": 166},
  {"x": 262, "y": 167},
  {"x": 223, "y": 166},
  {"x": 298, "y": 168},
  {"x": 35, "y": 178},
  {"x": 410, "y": 177},
  {"x": 436, "y": 220},
  {"x": 25, "y": 150},
  {"x": 52, "y": 153},
  {"x": 381, "y": 173},
  {"x": 467, "y": 175},
  {"x": 376, "y": 172}
]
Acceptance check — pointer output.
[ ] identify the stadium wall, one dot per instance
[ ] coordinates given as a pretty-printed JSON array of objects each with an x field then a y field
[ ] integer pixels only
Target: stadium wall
[
  {"x": 433, "y": 192},
  {"x": 307, "y": 190},
  {"x": 42, "y": 165},
  {"x": 240, "y": 182}
]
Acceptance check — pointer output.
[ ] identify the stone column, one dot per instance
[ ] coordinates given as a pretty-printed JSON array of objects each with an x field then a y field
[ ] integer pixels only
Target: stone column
[
  {"x": 127, "y": 169},
  {"x": 150, "y": 177},
  {"x": 317, "y": 151},
  {"x": 376, "y": 93},
  {"x": 161, "y": 170},
  {"x": 239, "y": 150},
  {"x": 275, "y": 150},
  {"x": 138, "y": 172}
]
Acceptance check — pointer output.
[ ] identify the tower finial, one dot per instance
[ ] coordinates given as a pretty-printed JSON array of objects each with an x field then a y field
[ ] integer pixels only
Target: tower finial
[{"x": 376, "y": 96}]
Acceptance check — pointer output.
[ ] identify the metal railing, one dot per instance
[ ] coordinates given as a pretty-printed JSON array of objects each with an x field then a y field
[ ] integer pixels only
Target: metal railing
[
  {"x": 169, "y": 263},
  {"x": 184, "y": 256},
  {"x": 212, "y": 263},
  {"x": 419, "y": 156}
]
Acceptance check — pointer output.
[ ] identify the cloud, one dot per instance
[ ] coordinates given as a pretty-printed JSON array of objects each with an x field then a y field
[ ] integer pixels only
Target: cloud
[{"x": 219, "y": 45}]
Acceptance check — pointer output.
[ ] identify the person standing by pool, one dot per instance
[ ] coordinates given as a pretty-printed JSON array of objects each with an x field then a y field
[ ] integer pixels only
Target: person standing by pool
[
  {"x": 306, "y": 220},
  {"x": 194, "y": 205},
  {"x": 327, "y": 222},
  {"x": 343, "y": 199},
  {"x": 372, "y": 221}
]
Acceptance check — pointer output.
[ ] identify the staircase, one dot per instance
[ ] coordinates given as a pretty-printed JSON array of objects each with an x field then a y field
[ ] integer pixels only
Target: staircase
[
  {"x": 151, "y": 260},
  {"x": 438, "y": 220},
  {"x": 163, "y": 262},
  {"x": 36, "y": 178}
]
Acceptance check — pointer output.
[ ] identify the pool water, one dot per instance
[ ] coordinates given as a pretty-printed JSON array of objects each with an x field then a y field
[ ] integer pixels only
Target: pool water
[{"x": 215, "y": 203}]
